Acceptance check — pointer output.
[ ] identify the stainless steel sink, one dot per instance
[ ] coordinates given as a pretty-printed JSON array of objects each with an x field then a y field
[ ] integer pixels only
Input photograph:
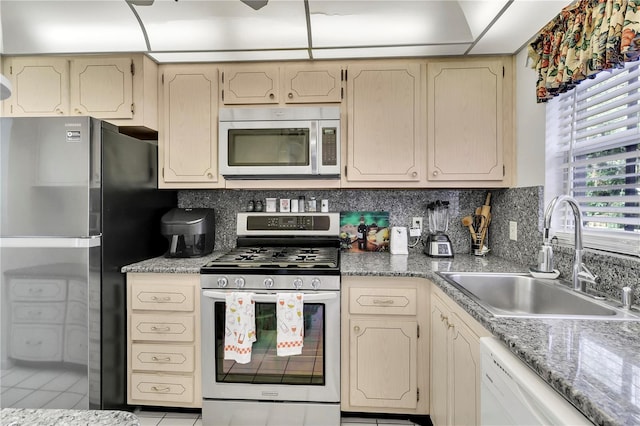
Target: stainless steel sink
[{"x": 521, "y": 295}]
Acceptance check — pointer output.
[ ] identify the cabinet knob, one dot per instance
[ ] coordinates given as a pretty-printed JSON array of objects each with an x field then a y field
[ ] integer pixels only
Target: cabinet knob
[
  {"x": 290, "y": 95},
  {"x": 356, "y": 329},
  {"x": 271, "y": 96},
  {"x": 59, "y": 111},
  {"x": 414, "y": 174},
  {"x": 435, "y": 173},
  {"x": 209, "y": 175}
]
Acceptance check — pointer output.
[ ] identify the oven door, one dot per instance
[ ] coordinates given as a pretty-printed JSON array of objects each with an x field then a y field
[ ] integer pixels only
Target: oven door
[{"x": 313, "y": 376}]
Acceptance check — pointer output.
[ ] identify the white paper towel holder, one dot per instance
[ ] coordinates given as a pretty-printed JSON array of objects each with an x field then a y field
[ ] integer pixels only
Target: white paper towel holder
[{"x": 399, "y": 242}]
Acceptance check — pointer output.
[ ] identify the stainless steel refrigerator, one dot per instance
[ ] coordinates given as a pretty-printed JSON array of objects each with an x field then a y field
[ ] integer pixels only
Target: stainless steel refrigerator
[{"x": 78, "y": 200}]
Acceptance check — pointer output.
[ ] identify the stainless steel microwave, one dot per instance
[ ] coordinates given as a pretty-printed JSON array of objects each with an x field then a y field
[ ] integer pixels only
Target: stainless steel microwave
[{"x": 287, "y": 143}]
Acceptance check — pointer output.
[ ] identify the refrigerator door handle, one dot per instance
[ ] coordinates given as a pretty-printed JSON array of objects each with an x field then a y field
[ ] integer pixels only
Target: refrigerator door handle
[{"x": 51, "y": 242}]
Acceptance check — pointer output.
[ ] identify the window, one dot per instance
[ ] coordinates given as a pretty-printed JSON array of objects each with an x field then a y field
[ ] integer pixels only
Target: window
[{"x": 592, "y": 154}]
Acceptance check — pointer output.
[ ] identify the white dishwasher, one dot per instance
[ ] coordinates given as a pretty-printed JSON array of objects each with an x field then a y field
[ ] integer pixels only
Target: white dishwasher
[{"x": 513, "y": 394}]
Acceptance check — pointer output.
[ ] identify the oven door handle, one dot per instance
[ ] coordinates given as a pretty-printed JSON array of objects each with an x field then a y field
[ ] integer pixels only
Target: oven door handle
[{"x": 271, "y": 298}]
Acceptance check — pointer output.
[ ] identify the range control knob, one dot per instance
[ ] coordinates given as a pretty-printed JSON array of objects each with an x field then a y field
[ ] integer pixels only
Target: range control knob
[
  {"x": 268, "y": 282},
  {"x": 315, "y": 283},
  {"x": 222, "y": 282},
  {"x": 239, "y": 282},
  {"x": 297, "y": 283}
]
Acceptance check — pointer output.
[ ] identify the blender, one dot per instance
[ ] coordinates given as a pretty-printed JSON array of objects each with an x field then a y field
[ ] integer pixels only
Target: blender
[{"x": 438, "y": 243}]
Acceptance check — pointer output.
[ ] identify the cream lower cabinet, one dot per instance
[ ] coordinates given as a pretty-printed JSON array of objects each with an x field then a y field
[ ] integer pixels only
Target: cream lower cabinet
[
  {"x": 188, "y": 135},
  {"x": 385, "y": 345},
  {"x": 455, "y": 363},
  {"x": 163, "y": 314}
]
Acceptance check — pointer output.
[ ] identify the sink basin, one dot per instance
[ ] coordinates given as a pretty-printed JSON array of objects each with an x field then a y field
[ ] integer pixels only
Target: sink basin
[{"x": 520, "y": 295}]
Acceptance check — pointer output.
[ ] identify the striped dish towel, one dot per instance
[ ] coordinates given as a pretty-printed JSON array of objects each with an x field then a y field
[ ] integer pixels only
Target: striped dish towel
[
  {"x": 240, "y": 326},
  {"x": 289, "y": 309}
]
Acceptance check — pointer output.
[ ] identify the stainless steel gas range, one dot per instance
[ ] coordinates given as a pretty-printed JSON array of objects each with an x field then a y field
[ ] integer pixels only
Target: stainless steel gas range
[{"x": 276, "y": 254}]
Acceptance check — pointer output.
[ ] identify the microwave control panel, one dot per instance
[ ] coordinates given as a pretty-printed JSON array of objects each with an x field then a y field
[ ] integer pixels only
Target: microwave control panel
[{"x": 329, "y": 146}]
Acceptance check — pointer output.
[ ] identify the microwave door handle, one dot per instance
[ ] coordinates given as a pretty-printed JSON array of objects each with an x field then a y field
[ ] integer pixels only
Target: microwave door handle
[
  {"x": 271, "y": 298},
  {"x": 313, "y": 147}
]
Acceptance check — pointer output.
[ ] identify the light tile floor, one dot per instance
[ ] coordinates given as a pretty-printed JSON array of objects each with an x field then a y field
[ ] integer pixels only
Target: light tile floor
[{"x": 159, "y": 418}]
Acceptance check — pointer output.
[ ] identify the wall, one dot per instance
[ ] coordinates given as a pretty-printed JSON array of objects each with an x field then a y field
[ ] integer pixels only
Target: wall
[{"x": 530, "y": 129}]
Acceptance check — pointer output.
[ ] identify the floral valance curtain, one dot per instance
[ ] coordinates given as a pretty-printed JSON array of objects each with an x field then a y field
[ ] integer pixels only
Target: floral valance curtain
[{"x": 587, "y": 37}]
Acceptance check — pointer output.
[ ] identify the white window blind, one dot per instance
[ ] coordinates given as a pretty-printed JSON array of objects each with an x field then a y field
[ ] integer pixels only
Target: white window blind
[{"x": 593, "y": 154}]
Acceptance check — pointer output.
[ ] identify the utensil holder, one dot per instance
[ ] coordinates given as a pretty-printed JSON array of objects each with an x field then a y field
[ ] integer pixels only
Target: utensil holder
[{"x": 479, "y": 243}]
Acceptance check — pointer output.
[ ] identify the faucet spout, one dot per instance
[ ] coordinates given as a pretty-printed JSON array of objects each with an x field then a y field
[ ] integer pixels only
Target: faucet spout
[{"x": 580, "y": 274}]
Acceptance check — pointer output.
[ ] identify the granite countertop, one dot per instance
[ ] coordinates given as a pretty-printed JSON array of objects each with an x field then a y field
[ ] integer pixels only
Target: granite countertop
[
  {"x": 59, "y": 417},
  {"x": 593, "y": 363}
]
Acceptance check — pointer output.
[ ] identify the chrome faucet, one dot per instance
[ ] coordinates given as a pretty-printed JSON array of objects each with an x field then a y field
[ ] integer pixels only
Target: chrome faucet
[{"x": 581, "y": 274}]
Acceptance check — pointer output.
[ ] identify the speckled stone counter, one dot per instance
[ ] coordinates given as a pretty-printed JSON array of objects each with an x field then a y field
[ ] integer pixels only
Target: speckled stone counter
[
  {"x": 43, "y": 417},
  {"x": 171, "y": 265},
  {"x": 595, "y": 364}
]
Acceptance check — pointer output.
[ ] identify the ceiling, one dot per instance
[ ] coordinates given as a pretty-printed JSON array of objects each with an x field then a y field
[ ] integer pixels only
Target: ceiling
[{"x": 230, "y": 30}]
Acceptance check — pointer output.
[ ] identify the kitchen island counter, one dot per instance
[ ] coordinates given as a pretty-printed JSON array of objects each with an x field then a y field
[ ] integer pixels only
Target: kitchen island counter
[{"x": 60, "y": 417}]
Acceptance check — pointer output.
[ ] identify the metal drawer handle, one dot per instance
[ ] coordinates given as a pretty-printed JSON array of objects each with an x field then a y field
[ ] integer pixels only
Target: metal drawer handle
[
  {"x": 156, "y": 328},
  {"x": 34, "y": 342},
  {"x": 160, "y": 388},
  {"x": 383, "y": 301},
  {"x": 35, "y": 290},
  {"x": 161, "y": 299},
  {"x": 161, "y": 359}
]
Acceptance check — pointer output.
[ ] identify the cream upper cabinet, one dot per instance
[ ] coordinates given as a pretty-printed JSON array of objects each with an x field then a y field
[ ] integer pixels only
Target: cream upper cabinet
[
  {"x": 119, "y": 89},
  {"x": 384, "y": 356},
  {"x": 316, "y": 83},
  {"x": 469, "y": 116},
  {"x": 455, "y": 363},
  {"x": 280, "y": 85},
  {"x": 188, "y": 135},
  {"x": 385, "y": 143},
  {"x": 253, "y": 84},
  {"x": 102, "y": 87},
  {"x": 40, "y": 86}
]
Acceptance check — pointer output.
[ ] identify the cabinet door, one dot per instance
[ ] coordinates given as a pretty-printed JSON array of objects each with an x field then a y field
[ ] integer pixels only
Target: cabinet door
[
  {"x": 465, "y": 121},
  {"x": 188, "y": 133},
  {"x": 383, "y": 363},
  {"x": 40, "y": 85},
  {"x": 312, "y": 84},
  {"x": 102, "y": 87},
  {"x": 464, "y": 374},
  {"x": 439, "y": 362},
  {"x": 250, "y": 85},
  {"x": 384, "y": 138}
]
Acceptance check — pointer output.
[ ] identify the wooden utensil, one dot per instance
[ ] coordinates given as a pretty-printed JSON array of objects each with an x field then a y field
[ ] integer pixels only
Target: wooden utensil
[{"x": 468, "y": 222}]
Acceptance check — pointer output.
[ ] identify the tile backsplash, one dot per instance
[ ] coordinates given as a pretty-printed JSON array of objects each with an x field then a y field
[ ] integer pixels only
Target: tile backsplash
[{"x": 524, "y": 206}]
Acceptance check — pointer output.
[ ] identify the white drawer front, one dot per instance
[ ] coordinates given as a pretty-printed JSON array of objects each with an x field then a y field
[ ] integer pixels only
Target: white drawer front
[
  {"x": 160, "y": 297},
  {"x": 44, "y": 313},
  {"x": 164, "y": 388},
  {"x": 77, "y": 313},
  {"x": 36, "y": 342},
  {"x": 171, "y": 358},
  {"x": 75, "y": 344},
  {"x": 174, "y": 328},
  {"x": 401, "y": 301},
  {"x": 37, "y": 289}
]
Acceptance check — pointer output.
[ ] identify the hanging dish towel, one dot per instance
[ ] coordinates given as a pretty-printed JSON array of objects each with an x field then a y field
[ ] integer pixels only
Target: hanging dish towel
[
  {"x": 240, "y": 327},
  {"x": 290, "y": 333}
]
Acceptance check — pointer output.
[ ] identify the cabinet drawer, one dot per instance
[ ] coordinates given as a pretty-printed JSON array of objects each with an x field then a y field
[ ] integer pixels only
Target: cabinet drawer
[
  {"x": 162, "y": 358},
  {"x": 37, "y": 289},
  {"x": 401, "y": 301},
  {"x": 162, "y": 297},
  {"x": 46, "y": 313},
  {"x": 170, "y": 328},
  {"x": 36, "y": 342},
  {"x": 164, "y": 388}
]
